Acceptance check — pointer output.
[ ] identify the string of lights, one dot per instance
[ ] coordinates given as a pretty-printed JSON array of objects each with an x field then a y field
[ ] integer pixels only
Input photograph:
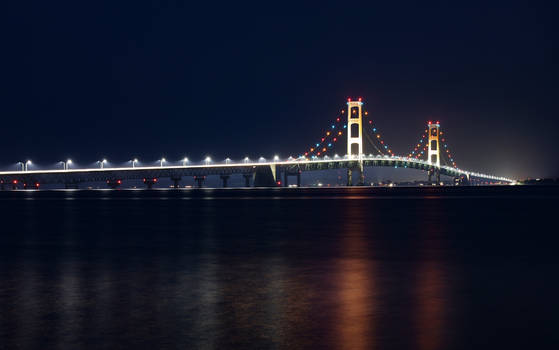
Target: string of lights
[
  {"x": 377, "y": 136},
  {"x": 420, "y": 147},
  {"x": 422, "y": 153},
  {"x": 373, "y": 144},
  {"x": 337, "y": 129},
  {"x": 326, "y": 143},
  {"x": 446, "y": 151}
]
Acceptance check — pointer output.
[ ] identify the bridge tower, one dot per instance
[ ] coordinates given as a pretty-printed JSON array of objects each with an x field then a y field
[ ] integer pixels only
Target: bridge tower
[
  {"x": 434, "y": 151},
  {"x": 355, "y": 137}
]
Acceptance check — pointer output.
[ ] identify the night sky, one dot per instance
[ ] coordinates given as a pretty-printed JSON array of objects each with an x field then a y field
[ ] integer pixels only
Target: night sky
[{"x": 113, "y": 79}]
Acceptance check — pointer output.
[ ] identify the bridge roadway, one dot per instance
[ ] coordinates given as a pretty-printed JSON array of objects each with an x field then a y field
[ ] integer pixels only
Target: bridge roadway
[{"x": 255, "y": 171}]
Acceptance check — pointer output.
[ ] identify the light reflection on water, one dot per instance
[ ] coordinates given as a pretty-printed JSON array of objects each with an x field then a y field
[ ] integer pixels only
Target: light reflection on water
[
  {"x": 265, "y": 273},
  {"x": 431, "y": 300},
  {"x": 358, "y": 301}
]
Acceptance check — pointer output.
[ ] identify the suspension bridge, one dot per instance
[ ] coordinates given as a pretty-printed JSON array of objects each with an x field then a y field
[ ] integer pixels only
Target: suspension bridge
[{"x": 430, "y": 154}]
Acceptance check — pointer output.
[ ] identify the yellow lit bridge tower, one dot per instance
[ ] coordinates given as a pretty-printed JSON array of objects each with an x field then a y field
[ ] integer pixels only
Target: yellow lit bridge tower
[
  {"x": 434, "y": 152},
  {"x": 355, "y": 137}
]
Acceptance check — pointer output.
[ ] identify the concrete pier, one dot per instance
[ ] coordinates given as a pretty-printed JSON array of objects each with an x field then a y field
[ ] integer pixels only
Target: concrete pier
[
  {"x": 176, "y": 180},
  {"x": 224, "y": 179},
  {"x": 199, "y": 181},
  {"x": 247, "y": 177}
]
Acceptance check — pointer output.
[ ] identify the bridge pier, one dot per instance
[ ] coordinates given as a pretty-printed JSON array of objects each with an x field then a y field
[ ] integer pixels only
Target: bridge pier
[
  {"x": 199, "y": 181},
  {"x": 361, "y": 175},
  {"x": 33, "y": 185},
  {"x": 462, "y": 180},
  {"x": 114, "y": 183},
  {"x": 150, "y": 182},
  {"x": 176, "y": 180},
  {"x": 247, "y": 179},
  {"x": 436, "y": 172},
  {"x": 225, "y": 179},
  {"x": 286, "y": 175}
]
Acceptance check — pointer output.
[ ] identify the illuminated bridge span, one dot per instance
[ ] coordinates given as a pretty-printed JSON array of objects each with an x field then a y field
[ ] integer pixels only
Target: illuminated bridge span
[{"x": 430, "y": 154}]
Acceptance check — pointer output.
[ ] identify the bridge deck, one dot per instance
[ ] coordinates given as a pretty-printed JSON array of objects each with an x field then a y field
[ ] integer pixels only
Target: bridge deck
[{"x": 103, "y": 174}]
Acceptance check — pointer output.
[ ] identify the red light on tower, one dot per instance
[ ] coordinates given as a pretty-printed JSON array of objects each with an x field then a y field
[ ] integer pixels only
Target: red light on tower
[
  {"x": 437, "y": 122},
  {"x": 429, "y": 122},
  {"x": 359, "y": 99},
  {"x": 14, "y": 182},
  {"x": 349, "y": 99}
]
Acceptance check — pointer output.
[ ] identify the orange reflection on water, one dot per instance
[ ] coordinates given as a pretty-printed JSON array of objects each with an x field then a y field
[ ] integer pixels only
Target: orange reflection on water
[
  {"x": 355, "y": 286},
  {"x": 430, "y": 311},
  {"x": 356, "y": 305},
  {"x": 431, "y": 289}
]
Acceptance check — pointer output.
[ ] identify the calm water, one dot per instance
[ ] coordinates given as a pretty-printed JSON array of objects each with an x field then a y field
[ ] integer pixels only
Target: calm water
[{"x": 344, "y": 268}]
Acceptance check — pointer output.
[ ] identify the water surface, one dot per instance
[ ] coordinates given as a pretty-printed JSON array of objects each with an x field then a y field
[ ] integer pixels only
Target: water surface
[{"x": 287, "y": 268}]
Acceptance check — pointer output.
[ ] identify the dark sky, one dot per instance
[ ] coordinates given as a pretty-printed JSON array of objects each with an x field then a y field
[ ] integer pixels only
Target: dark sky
[{"x": 119, "y": 80}]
